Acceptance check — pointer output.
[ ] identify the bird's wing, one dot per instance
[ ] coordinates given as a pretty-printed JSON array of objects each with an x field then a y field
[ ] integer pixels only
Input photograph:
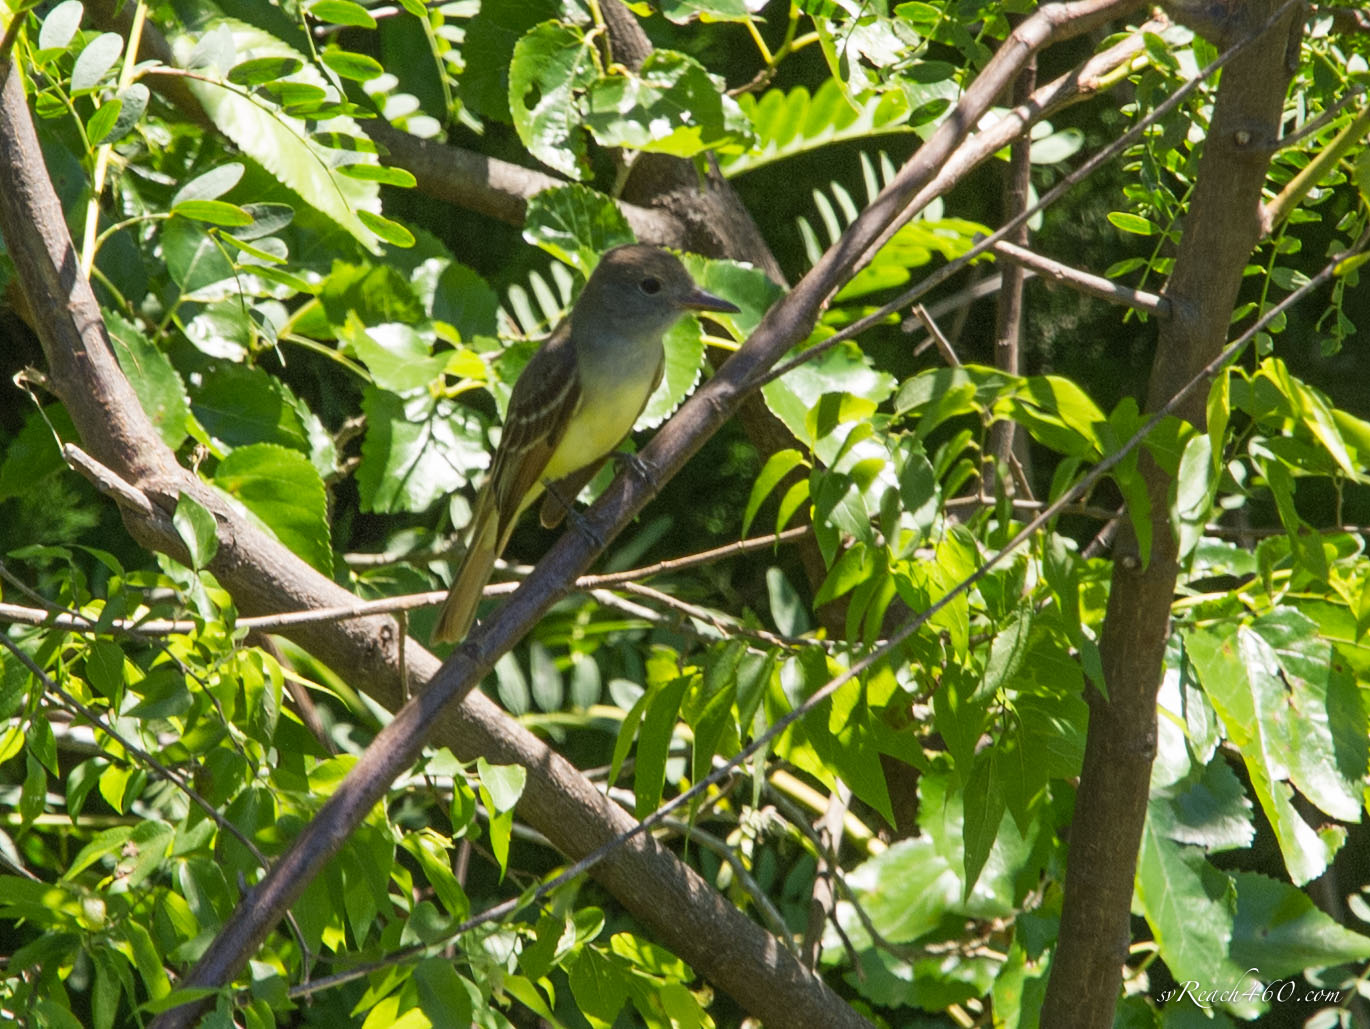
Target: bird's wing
[{"x": 541, "y": 406}]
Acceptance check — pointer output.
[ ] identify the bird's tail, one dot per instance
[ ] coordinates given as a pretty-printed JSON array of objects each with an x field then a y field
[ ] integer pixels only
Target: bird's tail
[{"x": 459, "y": 610}]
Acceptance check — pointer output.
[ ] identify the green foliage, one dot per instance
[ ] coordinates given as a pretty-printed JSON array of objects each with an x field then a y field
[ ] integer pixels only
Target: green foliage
[{"x": 332, "y": 352}]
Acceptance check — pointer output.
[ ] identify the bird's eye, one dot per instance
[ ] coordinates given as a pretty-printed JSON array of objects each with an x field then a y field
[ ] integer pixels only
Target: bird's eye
[{"x": 650, "y": 285}]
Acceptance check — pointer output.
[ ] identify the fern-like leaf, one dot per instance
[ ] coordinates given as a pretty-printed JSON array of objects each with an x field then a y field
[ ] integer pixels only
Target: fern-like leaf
[{"x": 789, "y": 123}]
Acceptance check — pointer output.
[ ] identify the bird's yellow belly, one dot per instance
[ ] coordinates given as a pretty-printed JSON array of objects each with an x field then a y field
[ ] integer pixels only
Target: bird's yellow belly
[{"x": 592, "y": 433}]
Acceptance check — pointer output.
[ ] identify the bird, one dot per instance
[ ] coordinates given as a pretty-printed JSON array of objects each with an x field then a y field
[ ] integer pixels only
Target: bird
[{"x": 573, "y": 404}]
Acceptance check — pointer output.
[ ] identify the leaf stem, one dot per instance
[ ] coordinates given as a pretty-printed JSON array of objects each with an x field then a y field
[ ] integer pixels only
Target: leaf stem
[{"x": 90, "y": 240}]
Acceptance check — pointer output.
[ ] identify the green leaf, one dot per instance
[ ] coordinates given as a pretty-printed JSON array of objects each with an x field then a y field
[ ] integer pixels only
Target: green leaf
[
  {"x": 94, "y": 61},
  {"x": 1055, "y": 147},
  {"x": 102, "y": 122},
  {"x": 599, "y": 986},
  {"x": 1240, "y": 675},
  {"x": 342, "y": 12},
  {"x": 777, "y": 466},
  {"x": 104, "y": 1003},
  {"x": 146, "y": 959},
  {"x": 794, "y": 122},
  {"x": 444, "y": 996},
  {"x": 211, "y": 185},
  {"x": 239, "y": 405},
  {"x": 548, "y": 690},
  {"x": 431, "y": 852},
  {"x": 1212, "y": 811},
  {"x": 261, "y": 70},
  {"x": 671, "y": 105},
  {"x": 193, "y": 259},
  {"x": 11, "y": 742},
  {"x": 195, "y": 525},
  {"x": 786, "y": 606},
  {"x": 855, "y": 567},
  {"x": 384, "y": 174},
  {"x": 909, "y": 889},
  {"x": 132, "y": 106},
  {"x": 1058, "y": 413},
  {"x": 504, "y": 783},
  {"x": 415, "y": 453},
  {"x": 1133, "y": 223},
  {"x": 984, "y": 804},
  {"x": 376, "y": 294},
  {"x": 1279, "y": 930},
  {"x": 684, "y": 363},
  {"x": 627, "y": 731},
  {"x": 398, "y": 358},
  {"x": 159, "y": 388},
  {"x": 465, "y": 301},
  {"x": 1196, "y": 488},
  {"x": 710, "y": 727},
  {"x": 391, "y": 232},
  {"x": 290, "y": 94},
  {"x": 654, "y": 743},
  {"x": 281, "y": 488},
  {"x": 53, "y": 1015},
  {"x": 1326, "y": 714},
  {"x": 501, "y": 786},
  {"x": 575, "y": 224},
  {"x": 842, "y": 369},
  {"x": 215, "y": 212},
  {"x": 490, "y": 40},
  {"x": 32, "y": 453},
  {"x": 1007, "y": 653},
  {"x": 1190, "y": 906},
  {"x": 553, "y": 64},
  {"x": 60, "y": 25},
  {"x": 357, "y": 67},
  {"x": 849, "y": 745},
  {"x": 682, "y": 11}
]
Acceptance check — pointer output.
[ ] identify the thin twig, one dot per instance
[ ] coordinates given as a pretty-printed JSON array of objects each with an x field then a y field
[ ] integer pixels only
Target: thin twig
[{"x": 1085, "y": 282}]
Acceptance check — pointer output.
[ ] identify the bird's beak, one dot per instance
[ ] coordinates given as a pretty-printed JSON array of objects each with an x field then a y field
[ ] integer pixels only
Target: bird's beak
[{"x": 698, "y": 300}]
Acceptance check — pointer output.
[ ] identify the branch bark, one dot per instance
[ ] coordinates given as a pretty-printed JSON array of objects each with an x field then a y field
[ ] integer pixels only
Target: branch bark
[{"x": 1223, "y": 226}]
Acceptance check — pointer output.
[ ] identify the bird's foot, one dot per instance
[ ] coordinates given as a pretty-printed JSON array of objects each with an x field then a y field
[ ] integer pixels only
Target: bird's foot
[
  {"x": 573, "y": 517},
  {"x": 578, "y": 522},
  {"x": 636, "y": 467}
]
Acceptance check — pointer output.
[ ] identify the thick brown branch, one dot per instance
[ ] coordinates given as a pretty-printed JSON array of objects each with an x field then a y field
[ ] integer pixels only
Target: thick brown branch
[
  {"x": 1222, "y": 227},
  {"x": 496, "y": 188}
]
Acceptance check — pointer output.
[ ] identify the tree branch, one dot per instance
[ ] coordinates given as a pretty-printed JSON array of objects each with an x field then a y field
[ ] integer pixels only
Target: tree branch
[
  {"x": 1223, "y": 225},
  {"x": 1084, "y": 282}
]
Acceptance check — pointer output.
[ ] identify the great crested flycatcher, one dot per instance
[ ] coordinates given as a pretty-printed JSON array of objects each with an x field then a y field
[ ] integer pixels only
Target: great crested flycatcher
[{"x": 574, "y": 402}]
